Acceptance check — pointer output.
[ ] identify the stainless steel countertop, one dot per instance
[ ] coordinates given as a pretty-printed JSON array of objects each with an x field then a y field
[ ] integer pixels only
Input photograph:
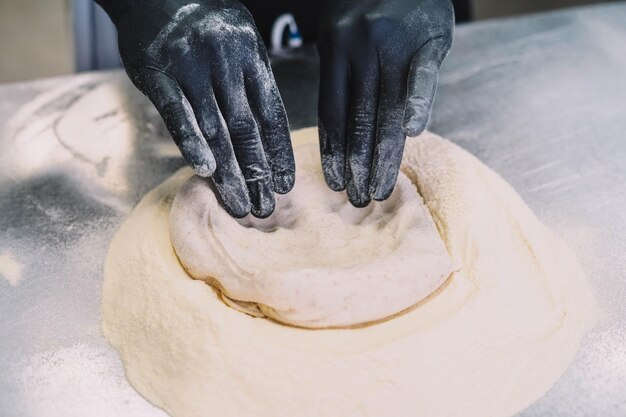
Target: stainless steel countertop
[{"x": 540, "y": 99}]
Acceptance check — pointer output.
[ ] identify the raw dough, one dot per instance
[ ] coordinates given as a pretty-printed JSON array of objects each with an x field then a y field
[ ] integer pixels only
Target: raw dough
[
  {"x": 317, "y": 261},
  {"x": 490, "y": 342}
]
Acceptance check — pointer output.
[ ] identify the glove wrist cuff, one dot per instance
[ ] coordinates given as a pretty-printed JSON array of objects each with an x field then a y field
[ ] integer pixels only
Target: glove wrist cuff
[{"x": 115, "y": 8}]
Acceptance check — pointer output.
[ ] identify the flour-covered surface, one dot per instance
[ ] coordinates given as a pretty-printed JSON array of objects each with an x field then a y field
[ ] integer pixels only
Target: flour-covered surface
[{"x": 539, "y": 99}]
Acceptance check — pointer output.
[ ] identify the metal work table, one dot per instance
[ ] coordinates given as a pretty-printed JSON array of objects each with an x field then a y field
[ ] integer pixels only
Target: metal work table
[{"x": 541, "y": 99}]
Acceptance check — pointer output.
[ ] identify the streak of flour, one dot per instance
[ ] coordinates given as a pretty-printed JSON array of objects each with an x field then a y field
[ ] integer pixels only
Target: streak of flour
[
  {"x": 78, "y": 381},
  {"x": 168, "y": 29}
]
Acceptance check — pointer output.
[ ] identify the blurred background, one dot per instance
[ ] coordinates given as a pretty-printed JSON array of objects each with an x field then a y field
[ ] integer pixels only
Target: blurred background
[{"x": 42, "y": 38}]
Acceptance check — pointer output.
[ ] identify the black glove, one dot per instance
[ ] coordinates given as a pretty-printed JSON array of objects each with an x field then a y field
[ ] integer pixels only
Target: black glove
[
  {"x": 379, "y": 69},
  {"x": 203, "y": 65}
]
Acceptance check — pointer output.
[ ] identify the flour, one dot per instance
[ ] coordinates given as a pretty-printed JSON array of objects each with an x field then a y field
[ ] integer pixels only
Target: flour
[
  {"x": 86, "y": 377},
  {"x": 11, "y": 268},
  {"x": 171, "y": 27},
  {"x": 494, "y": 339}
]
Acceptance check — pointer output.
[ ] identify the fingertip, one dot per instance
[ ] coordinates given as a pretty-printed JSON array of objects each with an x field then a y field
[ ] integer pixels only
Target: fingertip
[
  {"x": 263, "y": 213},
  {"x": 382, "y": 193},
  {"x": 238, "y": 212},
  {"x": 237, "y": 206},
  {"x": 262, "y": 198},
  {"x": 204, "y": 169},
  {"x": 334, "y": 168},
  {"x": 381, "y": 190},
  {"x": 332, "y": 142},
  {"x": 232, "y": 193},
  {"x": 283, "y": 172},
  {"x": 417, "y": 113},
  {"x": 335, "y": 184},
  {"x": 196, "y": 152},
  {"x": 284, "y": 182},
  {"x": 356, "y": 197},
  {"x": 413, "y": 128},
  {"x": 384, "y": 178},
  {"x": 264, "y": 209},
  {"x": 334, "y": 172}
]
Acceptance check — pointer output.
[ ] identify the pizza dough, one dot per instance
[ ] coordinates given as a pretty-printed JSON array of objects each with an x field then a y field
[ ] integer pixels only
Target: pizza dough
[
  {"x": 488, "y": 343},
  {"x": 317, "y": 261}
]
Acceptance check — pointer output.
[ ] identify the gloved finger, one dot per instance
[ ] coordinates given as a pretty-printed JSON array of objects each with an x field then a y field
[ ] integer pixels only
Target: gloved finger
[
  {"x": 169, "y": 100},
  {"x": 389, "y": 135},
  {"x": 422, "y": 84},
  {"x": 227, "y": 178},
  {"x": 364, "y": 90},
  {"x": 268, "y": 108},
  {"x": 333, "y": 104},
  {"x": 246, "y": 139}
]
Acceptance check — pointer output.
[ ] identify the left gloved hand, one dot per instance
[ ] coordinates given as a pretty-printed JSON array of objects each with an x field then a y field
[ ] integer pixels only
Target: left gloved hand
[{"x": 380, "y": 61}]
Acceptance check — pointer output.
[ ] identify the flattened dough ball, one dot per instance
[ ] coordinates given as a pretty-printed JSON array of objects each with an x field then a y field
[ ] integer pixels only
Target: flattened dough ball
[{"x": 494, "y": 339}]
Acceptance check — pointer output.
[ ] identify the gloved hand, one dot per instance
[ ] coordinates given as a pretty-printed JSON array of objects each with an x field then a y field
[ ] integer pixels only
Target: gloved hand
[
  {"x": 379, "y": 70},
  {"x": 203, "y": 65}
]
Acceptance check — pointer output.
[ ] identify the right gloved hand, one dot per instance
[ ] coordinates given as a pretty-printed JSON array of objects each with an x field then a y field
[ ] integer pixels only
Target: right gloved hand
[{"x": 203, "y": 65}]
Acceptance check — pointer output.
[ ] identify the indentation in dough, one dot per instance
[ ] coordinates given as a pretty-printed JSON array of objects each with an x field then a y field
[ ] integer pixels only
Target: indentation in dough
[{"x": 317, "y": 261}]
